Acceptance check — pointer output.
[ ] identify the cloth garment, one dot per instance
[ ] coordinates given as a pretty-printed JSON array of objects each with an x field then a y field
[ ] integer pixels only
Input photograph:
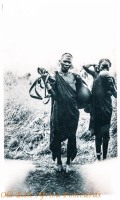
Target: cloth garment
[
  {"x": 103, "y": 89},
  {"x": 64, "y": 118}
]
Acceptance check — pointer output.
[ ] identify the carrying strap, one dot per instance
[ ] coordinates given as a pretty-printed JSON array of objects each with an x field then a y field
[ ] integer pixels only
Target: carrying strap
[
  {"x": 82, "y": 81},
  {"x": 38, "y": 96},
  {"x": 46, "y": 95}
]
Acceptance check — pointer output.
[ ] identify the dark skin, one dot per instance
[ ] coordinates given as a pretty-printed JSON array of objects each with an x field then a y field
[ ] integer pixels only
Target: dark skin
[
  {"x": 65, "y": 65},
  {"x": 64, "y": 72},
  {"x": 104, "y": 66},
  {"x": 92, "y": 72}
]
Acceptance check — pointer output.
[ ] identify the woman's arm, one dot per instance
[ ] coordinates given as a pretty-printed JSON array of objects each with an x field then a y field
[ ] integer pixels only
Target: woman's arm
[{"x": 89, "y": 71}]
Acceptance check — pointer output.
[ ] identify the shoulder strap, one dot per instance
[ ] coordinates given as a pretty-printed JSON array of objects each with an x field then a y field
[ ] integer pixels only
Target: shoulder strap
[
  {"x": 38, "y": 96},
  {"x": 77, "y": 76},
  {"x": 46, "y": 98}
]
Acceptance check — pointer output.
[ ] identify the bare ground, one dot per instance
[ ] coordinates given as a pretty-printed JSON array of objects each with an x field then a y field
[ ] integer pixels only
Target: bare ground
[{"x": 27, "y": 138}]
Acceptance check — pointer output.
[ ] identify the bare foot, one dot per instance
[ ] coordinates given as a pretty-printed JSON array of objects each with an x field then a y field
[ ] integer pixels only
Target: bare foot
[
  {"x": 58, "y": 168},
  {"x": 68, "y": 168}
]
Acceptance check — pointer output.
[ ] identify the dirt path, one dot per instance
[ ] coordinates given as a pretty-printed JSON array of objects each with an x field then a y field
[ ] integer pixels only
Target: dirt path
[
  {"x": 95, "y": 179},
  {"x": 40, "y": 178},
  {"x": 50, "y": 182}
]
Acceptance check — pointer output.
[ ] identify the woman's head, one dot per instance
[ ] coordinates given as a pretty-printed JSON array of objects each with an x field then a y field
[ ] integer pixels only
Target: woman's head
[
  {"x": 104, "y": 64},
  {"x": 66, "y": 62}
]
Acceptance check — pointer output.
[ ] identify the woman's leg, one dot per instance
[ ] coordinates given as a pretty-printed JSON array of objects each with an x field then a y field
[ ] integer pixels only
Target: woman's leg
[
  {"x": 105, "y": 147},
  {"x": 59, "y": 161},
  {"x": 71, "y": 149},
  {"x": 98, "y": 143}
]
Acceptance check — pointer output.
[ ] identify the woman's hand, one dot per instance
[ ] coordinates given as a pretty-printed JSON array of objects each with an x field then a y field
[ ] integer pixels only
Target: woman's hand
[{"x": 42, "y": 71}]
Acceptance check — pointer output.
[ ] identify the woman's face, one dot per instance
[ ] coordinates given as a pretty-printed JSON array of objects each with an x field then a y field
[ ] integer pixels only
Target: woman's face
[
  {"x": 66, "y": 63},
  {"x": 105, "y": 65}
]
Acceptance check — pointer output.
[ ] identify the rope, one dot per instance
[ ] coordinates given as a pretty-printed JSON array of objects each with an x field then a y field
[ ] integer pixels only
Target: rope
[{"x": 38, "y": 96}]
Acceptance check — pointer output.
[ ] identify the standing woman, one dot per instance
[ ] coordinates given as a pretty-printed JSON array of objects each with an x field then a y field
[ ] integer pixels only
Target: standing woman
[
  {"x": 103, "y": 88},
  {"x": 64, "y": 112}
]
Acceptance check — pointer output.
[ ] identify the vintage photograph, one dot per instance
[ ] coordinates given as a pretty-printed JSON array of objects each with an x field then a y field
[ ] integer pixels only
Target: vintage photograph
[{"x": 60, "y": 98}]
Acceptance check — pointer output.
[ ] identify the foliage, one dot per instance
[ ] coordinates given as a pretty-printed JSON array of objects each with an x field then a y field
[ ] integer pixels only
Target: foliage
[{"x": 26, "y": 124}]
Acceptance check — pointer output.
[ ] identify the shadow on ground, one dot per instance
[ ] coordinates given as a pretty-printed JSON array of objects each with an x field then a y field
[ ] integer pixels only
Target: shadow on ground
[
  {"x": 49, "y": 182},
  {"x": 37, "y": 178}
]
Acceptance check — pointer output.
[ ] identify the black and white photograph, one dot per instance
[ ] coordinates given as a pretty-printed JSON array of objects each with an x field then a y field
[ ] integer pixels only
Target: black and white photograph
[{"x": 59, "y": 116}]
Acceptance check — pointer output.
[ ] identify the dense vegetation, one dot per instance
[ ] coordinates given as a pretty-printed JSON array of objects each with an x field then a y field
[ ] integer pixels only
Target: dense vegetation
[{"x": 26, "y": 125}]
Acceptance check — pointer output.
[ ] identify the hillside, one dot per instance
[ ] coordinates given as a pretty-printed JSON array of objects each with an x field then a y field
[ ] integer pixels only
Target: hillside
[{"x": 26, "y": 125}]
